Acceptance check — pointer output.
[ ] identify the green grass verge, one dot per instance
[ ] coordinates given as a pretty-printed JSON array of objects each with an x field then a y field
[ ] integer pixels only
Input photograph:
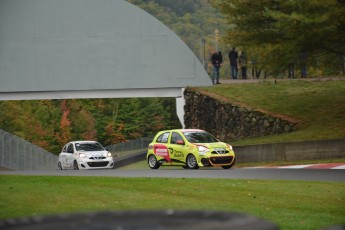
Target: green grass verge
[
  {"x": 319, "y": 106},
  {"x": 290, "y": 204}
]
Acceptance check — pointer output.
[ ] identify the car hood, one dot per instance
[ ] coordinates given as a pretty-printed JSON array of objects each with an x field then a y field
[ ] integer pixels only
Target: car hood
[
  {"x": 214, "y": 145},
  {"x": 94, "y": 153}
]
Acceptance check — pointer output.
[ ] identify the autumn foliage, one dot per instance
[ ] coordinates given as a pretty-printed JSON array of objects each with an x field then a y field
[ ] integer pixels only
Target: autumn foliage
[{"x": 52, "y": 123}]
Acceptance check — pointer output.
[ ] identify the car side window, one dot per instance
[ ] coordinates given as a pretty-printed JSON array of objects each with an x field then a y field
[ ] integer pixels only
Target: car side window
[
  {"x": 64, "y": 150},
  {"x": 163, "y": 138},
  {"x": 70, "y": 148},
  {"x": 175, "y": 137}
]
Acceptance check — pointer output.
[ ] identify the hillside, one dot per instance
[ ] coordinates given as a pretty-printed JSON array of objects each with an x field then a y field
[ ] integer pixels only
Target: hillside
[{"x": 318, "y": 106}]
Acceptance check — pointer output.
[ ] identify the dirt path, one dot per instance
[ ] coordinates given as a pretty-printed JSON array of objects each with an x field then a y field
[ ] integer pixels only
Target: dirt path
[{"x": 237, "y": 81}]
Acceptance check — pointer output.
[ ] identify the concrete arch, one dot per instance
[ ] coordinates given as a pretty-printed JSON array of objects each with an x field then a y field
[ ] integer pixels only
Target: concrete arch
[
  {"x": 64, "y": 49},
  {"x": 55, "y": 49}
]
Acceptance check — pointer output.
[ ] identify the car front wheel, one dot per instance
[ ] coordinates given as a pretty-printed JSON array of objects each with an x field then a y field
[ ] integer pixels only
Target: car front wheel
[
  {"x": 75, "y": 165},
  {"x": 227, "y": 166},
  {"x": 153, "y": 163},
  {"x": 192, "y": 162}
]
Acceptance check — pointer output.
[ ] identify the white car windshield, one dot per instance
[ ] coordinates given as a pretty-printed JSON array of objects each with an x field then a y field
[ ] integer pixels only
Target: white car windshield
[
  {"x": 199, "y": 137},
  {"x": 89, "y": 147}
]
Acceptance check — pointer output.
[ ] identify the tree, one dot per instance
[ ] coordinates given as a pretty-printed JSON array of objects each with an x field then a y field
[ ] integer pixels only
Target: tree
[
  {"x": 280, "y": 31},
  {"x": 64, "y": 134}
]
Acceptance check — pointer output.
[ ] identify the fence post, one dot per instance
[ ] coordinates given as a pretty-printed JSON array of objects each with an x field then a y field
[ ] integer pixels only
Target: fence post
[
  {"x": 3, "y": 148},
  {"x": 10, "y": 147},
  {"x": 18, "y": 155},
  {"x": 32, "y": 158},
  {"x": 25, "y": 167}
]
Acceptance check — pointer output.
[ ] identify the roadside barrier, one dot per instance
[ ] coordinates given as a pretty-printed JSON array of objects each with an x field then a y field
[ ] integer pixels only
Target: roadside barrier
[
  {"x": 18, "y": 154},
  {"x": 291, "y": 151}
]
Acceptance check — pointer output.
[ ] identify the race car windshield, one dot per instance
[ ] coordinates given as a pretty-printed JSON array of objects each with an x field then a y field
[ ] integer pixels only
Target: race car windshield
[
  {"x": 89, "y": 147},
  {"x": 199, "y": 137}
]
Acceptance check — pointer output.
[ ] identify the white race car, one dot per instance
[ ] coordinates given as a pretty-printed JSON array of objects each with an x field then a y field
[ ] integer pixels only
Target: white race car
[{"x": 85, "y": 155}]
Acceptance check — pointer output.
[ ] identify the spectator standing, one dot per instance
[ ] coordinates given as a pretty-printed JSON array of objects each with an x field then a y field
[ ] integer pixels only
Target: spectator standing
[
  {"x": 291, "y": 70},
  {"x": 243, "y": 63},
  {"x": 256, "y": 72},
  {"x": 233, "y": 56},
  {"x": 303, "y": 64},
  {"x": 216, "y": 59}
]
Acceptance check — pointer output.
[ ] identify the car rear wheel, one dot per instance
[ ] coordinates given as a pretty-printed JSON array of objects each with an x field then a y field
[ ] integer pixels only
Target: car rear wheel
[
  {"x": 59, "y": 166},
  {"x": 153, "y": 163},
  {"x": 75, "y": 165},
  {"x": 192, "y": 162}
]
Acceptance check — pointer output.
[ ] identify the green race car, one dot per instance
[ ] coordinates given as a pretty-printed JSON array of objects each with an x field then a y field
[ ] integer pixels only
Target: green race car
[{"x": 189, "y": 148}]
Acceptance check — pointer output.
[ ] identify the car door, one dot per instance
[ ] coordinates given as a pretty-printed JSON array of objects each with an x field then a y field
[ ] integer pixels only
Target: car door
[
  {"x": 69, "y": 156},
  {"x": 161, "y": 146},
  {"x": 177, "y": 149},
  {"x": 62, "y": 157}
]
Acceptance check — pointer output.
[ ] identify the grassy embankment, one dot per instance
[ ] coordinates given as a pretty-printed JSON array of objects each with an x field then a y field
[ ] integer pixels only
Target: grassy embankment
[{"x": 318, "y": 106}]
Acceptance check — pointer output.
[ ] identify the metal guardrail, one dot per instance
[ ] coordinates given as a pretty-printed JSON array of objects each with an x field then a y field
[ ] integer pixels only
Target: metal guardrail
[
  {"x": 18, "y": 154},
  {"x": 130, "y": 147}
]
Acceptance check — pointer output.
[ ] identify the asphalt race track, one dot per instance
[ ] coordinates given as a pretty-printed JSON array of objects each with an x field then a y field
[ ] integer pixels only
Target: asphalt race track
[{"x": 336, "y": 175}]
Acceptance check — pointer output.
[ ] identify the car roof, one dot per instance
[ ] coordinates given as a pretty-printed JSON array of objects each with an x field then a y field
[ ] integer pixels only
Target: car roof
[
  {"x": 81, "y": 142},
  {"x": 184, "y": 130}
]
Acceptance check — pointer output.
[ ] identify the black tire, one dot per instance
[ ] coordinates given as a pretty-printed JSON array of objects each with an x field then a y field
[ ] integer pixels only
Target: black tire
[
  {"x": 227, "y": 166},
  {"x": 75, "y": 165},
  {"x": 59, "y": 166},
  {"x": 152, "y": 161},
  {"x": 192, "y": 162}
]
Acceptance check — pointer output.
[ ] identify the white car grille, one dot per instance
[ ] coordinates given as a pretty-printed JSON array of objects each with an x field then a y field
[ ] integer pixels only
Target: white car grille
[{"x": 97, "y": 158}]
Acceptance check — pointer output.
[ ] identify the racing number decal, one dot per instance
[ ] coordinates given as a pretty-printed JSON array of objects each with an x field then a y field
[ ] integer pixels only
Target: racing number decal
[{"x": 161, "y": 150}]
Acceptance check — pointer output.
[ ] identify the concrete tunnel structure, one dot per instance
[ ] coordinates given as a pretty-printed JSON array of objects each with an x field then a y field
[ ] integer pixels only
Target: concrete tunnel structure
[{"x": 65, "y": 49}]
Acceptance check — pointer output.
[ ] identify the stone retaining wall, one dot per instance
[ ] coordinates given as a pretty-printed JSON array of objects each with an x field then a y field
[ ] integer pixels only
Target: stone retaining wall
[
  {"x": 228, "y": 121},
  {"x": 291, "y": 151}
]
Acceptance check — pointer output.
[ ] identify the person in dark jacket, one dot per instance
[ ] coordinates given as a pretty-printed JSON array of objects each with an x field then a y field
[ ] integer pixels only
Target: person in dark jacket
[
  {"x": 233, "y": 56},
  {"x": 216, "y": 60}
]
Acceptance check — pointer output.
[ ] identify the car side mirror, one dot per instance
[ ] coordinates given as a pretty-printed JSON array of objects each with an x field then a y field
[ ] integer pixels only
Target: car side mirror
[{"x": 180, "y": 142}]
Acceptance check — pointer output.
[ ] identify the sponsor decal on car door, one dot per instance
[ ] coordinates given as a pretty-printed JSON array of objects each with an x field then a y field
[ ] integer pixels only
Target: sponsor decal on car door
[{"x": 162, "y": 150}]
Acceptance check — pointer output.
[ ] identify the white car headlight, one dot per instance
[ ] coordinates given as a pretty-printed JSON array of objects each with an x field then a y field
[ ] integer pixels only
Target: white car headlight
[
  {"x": 82, "y": 155},
  {"x": 109, "y": 154},
  {"x": 202, "y": 150}
]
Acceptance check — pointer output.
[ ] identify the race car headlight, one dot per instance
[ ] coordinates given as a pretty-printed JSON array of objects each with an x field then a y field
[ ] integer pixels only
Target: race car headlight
[
  {"x": 230, "y": 147},
  {"x": 82, "y": 155},
  {"x": 109, "y": 154},
  {"x": 202, "y": 150}
]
